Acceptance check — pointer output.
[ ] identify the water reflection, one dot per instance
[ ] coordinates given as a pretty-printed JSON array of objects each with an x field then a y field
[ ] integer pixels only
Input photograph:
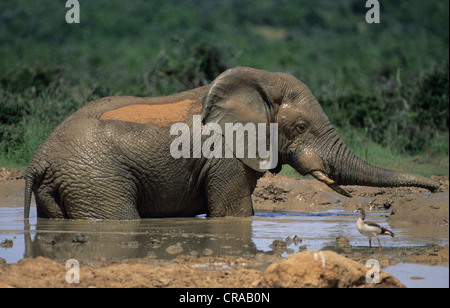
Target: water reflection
[{"x": 153, "y": 238}]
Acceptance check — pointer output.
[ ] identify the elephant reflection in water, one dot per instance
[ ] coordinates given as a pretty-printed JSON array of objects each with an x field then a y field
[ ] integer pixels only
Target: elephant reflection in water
[{"x": 61, "y": 239}]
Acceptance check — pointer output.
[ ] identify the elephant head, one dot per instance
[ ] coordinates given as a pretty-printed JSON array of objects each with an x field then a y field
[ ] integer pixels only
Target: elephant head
[{"x": 306, "y": 139}]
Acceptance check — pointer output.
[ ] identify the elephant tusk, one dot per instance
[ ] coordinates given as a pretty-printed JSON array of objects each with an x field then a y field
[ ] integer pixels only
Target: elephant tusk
[
  {"x": 340, "y": 190},
  {"x": 319, "y": 175}
]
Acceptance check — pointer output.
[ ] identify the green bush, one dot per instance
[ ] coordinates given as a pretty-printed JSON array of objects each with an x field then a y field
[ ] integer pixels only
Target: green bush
[
  {"x": 33, "y": 101},
  {"x": 430, "y": 102},
  {"x": 405, "y": 121},
  {"x": 185, "y": 67}
]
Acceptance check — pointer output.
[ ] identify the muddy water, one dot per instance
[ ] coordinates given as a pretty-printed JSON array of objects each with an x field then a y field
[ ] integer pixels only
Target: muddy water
[{"x": 266, "y": 233}]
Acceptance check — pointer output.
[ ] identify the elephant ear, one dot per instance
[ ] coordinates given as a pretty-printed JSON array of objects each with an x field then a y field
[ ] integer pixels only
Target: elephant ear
[{"x": 241, "y": 98}]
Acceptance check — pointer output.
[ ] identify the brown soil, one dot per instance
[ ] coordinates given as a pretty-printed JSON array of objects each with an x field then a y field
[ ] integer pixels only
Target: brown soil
[
  {"x": 10, "y": 174},
  {"x": 305, "y": 269},
  {"x": 406, "y": 204}
]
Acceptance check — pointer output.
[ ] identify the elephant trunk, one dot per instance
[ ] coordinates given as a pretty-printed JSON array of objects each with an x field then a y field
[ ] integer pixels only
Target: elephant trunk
[{"x": 345, "y": 168}]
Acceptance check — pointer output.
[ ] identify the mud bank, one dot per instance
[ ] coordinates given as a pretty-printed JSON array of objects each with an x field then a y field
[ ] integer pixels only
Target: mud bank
[{"x": 408, "y": 205}]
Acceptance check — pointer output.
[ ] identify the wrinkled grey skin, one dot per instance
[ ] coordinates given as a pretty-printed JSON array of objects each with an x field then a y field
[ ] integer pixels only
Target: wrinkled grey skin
[{"x": 96, "y": 168}]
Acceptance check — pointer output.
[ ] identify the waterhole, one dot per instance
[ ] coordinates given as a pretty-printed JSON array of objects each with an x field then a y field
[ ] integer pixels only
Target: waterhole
[{"x": 266, "y": 233}]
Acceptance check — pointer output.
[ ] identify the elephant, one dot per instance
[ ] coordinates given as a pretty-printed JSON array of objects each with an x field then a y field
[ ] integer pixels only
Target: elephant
[{"x": 112, "y": 158}]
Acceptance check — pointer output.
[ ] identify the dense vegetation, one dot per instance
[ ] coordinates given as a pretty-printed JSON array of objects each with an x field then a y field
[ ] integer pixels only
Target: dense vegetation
[{"x": 384, "y": 86}]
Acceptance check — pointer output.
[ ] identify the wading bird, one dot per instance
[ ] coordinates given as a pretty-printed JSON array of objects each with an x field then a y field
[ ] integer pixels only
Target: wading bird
[{"x": 370, "y": 229}]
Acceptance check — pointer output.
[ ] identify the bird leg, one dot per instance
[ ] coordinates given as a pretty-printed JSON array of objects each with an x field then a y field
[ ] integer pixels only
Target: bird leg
[{"x": 379, "y": 244}]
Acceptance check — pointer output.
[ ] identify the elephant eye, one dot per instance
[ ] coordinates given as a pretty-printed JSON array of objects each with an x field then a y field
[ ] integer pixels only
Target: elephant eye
[{"x": 302, "y": 127}]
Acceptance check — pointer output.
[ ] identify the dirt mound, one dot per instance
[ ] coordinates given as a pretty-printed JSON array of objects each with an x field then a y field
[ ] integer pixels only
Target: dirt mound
[
  {"x": 323, "y": 269},
  {"x": 33, "y": 273},
  {"x": 271, "y": 193}
]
